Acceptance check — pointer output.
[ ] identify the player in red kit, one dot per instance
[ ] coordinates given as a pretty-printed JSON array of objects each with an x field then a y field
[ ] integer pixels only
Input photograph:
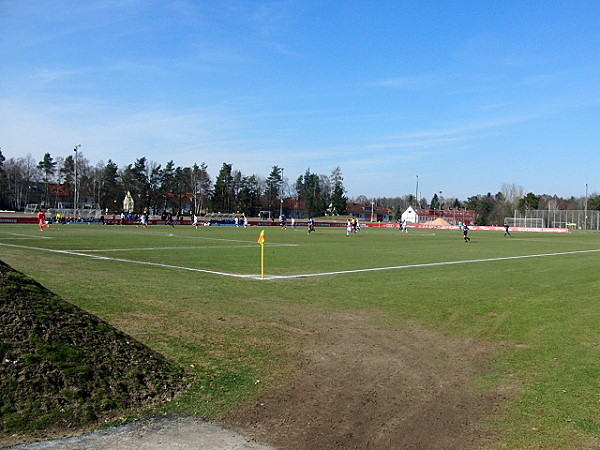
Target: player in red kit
[{"x": 42, "y": 220}]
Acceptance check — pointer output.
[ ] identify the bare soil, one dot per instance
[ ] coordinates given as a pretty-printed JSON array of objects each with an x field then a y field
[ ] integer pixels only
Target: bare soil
[{"x": 362, "y": 385}]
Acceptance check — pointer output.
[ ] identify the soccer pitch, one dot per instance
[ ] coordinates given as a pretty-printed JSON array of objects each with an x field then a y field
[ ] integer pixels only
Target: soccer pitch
[
  {"x": 291, "y": 253},
  {"x": 197, "y": 296}
]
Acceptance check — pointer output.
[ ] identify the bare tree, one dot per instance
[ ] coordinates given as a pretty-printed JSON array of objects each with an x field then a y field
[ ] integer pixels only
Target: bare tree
[
  {"x": 362, "y": 199},
  {"x": 512, "y": 193},
  {"x": 22, "y": 175}
]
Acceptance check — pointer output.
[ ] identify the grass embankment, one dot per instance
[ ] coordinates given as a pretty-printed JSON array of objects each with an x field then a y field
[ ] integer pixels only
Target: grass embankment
[{"x": 62, "y": 367}]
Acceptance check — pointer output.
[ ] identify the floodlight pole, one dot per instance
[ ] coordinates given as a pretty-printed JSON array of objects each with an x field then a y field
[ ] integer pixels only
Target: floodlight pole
[
  {"x": 281, "y": 197},
  {"x": 76, "y": 199},
  {"x": 586, "y": 207},
  {"x": 417, "y": 193}
]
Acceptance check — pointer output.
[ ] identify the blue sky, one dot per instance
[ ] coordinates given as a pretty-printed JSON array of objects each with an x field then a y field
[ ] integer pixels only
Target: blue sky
[{"x": 467, "y": 95}]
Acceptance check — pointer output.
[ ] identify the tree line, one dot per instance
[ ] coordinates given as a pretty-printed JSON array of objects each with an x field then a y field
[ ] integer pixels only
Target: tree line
[
  {"x": 156, "y": 188},
  {"x": 491, "y": 209},
  {"x": 54, "y": 182}
]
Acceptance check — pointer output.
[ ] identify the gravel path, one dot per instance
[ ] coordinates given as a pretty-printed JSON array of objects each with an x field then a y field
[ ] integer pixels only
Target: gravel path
[{"x": 160, "y": 432}]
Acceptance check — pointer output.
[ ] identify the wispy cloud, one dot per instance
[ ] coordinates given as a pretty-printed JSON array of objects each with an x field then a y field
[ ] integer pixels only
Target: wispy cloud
[
  {"x": 461, "y": 129},
  {"x": 410, "y": 81},
  {"x": 51, "y": 75}
]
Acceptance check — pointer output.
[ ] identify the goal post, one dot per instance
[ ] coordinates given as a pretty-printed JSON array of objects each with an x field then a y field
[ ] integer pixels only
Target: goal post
[
  {"x": 31, "y": 208},
  {"x": 527, "y": 222},
  {"x": 79, "y": 213}
]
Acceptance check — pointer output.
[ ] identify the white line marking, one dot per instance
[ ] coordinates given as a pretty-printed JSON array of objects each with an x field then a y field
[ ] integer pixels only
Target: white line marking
[
  {"x": 443, "y": 263},
  {"x": 179, "y": 236},
  {"x": 188, "y": 247},
  {"x": 17, "y": 238},
  {"x": 195, "y": 237},
  {"x": 306, "y": 275},
  {"x": 509, "y": 239},
  {"x": 144, "y": 263},
  {"x": 24, "y": 236}
]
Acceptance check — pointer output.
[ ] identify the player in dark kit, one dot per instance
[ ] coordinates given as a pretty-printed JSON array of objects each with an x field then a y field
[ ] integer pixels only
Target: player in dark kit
[
  {"x": 506, "y": 232},
  {"x": 465, "y": 233},
  {"x": 169, "y": 220},
  {"x": 311, "y": 225}
]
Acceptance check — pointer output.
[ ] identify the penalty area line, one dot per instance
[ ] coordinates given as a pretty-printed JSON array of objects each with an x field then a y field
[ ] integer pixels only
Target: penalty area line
[{"x": 412, "y": 266}]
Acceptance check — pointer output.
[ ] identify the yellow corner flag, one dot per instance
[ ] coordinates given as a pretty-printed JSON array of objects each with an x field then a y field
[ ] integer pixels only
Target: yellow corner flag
[{"x": 261, "y": 241}]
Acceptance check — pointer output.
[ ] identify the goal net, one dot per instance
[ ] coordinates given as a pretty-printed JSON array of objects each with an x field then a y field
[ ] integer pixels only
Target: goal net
[
  {"x": 80, "y": 213},
  {"x": 529, "y": 222},
  {"x": 31, "y": 208}
]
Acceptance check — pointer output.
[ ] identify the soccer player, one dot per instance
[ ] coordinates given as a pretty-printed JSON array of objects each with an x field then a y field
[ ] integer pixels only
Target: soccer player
[
  {"x": 42, "y": 220},
  {"x": 506, "y": 231},
  {"x": 311, "y": 225},
  {"x": 144, "y": 220},
  {"x": 170, "y": 220},
  {"x": 466, "y": 232}
]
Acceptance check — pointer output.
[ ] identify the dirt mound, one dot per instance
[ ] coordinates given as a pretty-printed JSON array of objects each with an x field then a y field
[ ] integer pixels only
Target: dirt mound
[
  {"x": 61, "y": 367},
  {"x": 439, "y": 222}
]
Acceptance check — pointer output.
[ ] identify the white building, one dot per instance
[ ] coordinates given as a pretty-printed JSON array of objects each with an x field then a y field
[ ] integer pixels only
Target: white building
[{"x": 410, "y": 215}]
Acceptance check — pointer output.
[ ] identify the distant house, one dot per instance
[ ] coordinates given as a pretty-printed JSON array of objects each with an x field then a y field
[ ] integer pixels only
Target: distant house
[
  {"x": 182, "y": 203},
  {"x": 60, "y": 195},
  {"x": 370, "y": 212},
  {"x": 410, "y": 215}
]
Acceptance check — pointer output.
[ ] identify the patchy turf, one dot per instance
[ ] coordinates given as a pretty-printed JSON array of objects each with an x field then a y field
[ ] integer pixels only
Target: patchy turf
[
  {"x": 360, "y": 384},
  {"x": 62, "y": 367}
]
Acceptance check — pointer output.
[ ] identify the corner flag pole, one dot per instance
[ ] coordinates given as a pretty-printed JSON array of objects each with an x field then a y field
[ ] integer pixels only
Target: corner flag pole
[{"x": 261, "y": 241}]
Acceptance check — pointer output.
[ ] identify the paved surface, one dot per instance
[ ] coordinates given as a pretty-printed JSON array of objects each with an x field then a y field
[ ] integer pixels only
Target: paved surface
[{"x": 162, "y": 432}]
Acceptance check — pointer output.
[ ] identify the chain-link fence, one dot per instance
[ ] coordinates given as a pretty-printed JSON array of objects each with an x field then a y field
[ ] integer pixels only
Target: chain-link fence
[{"x": 575, "y": 219}]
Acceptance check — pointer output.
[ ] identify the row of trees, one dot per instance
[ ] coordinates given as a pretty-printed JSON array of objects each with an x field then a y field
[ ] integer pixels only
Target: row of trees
[
  {"x": 155, "y": 188},
  {"x": 492, "y": 208},
  {"x": 54, "y": 182}
]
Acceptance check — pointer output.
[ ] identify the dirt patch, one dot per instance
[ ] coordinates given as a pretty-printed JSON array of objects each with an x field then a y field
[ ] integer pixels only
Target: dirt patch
[{"x": 362, "y": 385}]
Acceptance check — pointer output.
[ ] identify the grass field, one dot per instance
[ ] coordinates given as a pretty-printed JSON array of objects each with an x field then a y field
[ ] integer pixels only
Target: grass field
[{"x": 197, "y": 297}]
